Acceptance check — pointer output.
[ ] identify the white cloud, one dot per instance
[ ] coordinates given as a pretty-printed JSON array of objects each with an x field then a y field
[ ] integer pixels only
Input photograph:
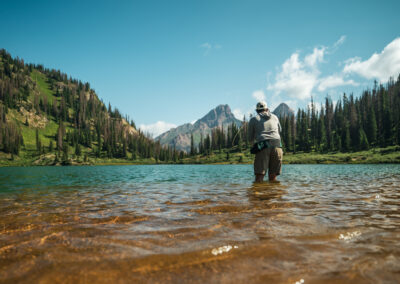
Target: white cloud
[
  {"x": 339, "y": 42},
  {"x": 316, "y": 57},
  {"x": 208, "y": 47},
  {"x": 317, "y": 106},
  {"x": 157, "y": 128},
  {"x": 275, "y": 101},
  {"x": 238, "y": 113},
  {"x": 333, "y": 81},
  {"x": 259, "y": 96},
  {"x": 292, "y": 104},
  {"x": 380, "y": 65},
  {"x": 297, "y": 77}
]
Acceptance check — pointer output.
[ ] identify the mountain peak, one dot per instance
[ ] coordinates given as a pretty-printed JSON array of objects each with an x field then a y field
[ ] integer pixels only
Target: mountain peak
[
  {"x": 283, "y": 110},
  {"x": 180, "y": 136},
  {"x": 218, "y": 116},
  {"x": 223, "y": 108}
]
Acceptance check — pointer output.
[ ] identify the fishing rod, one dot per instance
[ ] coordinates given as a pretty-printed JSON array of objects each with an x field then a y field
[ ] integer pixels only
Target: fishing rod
[{"x": 240, "y": 128}]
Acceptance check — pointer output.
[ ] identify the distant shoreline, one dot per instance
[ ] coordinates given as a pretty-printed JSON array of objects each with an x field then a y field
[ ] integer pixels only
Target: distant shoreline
[{"x": 388, "y": 155}]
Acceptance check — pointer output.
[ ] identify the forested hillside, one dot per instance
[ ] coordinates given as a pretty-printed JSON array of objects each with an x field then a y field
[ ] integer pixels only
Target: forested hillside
[
  {"x": 47, "y": 117},
  {"x": 351, "y": 124}
]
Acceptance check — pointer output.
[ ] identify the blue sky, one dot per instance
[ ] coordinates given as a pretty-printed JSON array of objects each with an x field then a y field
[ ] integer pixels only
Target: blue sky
[{"x": 165, "y": 63}]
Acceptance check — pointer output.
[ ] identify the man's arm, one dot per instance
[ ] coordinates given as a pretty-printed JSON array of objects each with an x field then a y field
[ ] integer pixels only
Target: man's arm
[{"x": 279, "y": 123}]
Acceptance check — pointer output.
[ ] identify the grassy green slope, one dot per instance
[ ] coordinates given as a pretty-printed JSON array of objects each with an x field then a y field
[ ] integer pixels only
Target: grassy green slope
[
  {"x": 47, "y": 128},
  {"x": 43, "y": 86},
  {"x": 47, "y": 125}
]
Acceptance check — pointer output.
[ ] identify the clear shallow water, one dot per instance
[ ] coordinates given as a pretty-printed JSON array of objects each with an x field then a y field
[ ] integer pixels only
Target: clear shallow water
[{"x": 203, "y": 223}]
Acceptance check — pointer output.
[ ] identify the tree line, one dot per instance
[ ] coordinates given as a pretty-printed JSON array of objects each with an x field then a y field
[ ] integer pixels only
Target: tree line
[
  {"x": 221, "y": 139},
  {"x": 349, "y": 124}
]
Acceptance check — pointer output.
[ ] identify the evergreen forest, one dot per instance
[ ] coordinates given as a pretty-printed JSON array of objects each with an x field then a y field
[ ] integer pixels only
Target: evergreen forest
[
  {"x": 47, "y": 116},
  {"x": 350, "y": 124}
]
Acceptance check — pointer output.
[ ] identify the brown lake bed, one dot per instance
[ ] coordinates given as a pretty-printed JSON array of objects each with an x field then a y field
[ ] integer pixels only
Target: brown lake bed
[{"x": 200, "y": 224}]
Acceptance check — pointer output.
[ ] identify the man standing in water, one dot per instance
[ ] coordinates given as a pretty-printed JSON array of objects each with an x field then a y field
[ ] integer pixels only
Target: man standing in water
[{"x": 265, "y": 128}]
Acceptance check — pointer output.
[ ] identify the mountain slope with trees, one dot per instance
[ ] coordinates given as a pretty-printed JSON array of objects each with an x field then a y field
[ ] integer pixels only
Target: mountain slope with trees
[{"x": 47, "y": 117}]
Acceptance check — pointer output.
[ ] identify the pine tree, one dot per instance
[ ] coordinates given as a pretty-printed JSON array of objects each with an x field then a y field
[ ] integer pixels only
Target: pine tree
[
  {"x": 56, "y": 160},
  {"x": 78, "y": 151},
  {"x": 175, "y": 154},
  {"x": 363, "y": 140},
  {"x": 65, "y": 157},
  {"x": 293, "y": 127},
  {"x": 60, "y": 136},
  {"x": 338, "y": 142},
  {"x": 347, "y": 139},
  {"x": 321, "y": 133},
  {"x": 201, "y": 144},
  {"x": 398, "y": 132},
  {"x": 38, "y": 142},
  {"x": 288, "y": 131},
  {"x": 328, "y": 121},
  {"x": 207, "y": 144},
  {"x": 51, "y": 146},
  {"x": 354, "y": 125},
  {"x": 387, "y": 124},
  {"x": 239, "y": 143},
  {"x": 313, "y": 125},
  {"x": 192, "y": 149},
  {"x": 371, "y": 129}
]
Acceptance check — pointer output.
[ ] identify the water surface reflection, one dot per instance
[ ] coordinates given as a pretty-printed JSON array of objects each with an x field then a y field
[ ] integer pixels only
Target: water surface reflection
[{"x": 330, "y": 223}]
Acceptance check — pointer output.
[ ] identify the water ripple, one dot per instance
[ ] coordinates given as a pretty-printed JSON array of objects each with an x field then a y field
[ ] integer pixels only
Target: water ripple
[{"x": 321, "y": 223}]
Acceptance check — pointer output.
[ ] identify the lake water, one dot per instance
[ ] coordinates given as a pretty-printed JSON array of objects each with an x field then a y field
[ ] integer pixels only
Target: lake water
[{"x": 200, "y": 224}]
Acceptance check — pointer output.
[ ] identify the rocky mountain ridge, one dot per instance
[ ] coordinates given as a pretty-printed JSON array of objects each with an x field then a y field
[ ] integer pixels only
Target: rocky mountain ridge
[
  {"x": 221, "y": 116},
  {"x": 179, "y": 137}
]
